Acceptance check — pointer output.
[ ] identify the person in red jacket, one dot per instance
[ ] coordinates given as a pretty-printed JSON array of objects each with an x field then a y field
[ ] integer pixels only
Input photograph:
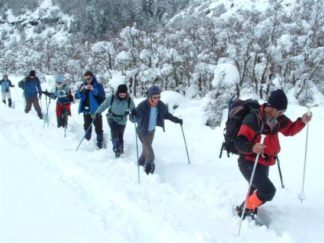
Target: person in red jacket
[{"x": 269, "y": 120}]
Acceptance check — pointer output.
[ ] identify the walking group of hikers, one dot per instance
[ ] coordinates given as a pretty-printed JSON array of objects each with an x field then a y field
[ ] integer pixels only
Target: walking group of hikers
[{"x": 256, "y": 138}]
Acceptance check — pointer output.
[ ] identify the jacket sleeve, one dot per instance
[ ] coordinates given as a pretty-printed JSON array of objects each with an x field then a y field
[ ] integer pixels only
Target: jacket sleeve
[
  {"x": 289, "y": 128},
  {"x": 247, "y": 134},
  {"x": 168, "y": 115},
  {"x": 104, "y": 105},
  {"x": 10, "y": 84}
]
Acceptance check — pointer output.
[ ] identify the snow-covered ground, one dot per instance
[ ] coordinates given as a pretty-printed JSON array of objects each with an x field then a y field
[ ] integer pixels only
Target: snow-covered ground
[{"x": 50, "y": 192}]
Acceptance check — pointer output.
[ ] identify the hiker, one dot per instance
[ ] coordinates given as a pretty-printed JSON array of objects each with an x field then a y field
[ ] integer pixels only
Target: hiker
[
  {"x": 91, "y": 94},
  {"x": 64, "y": 98},
  {"x": 120, "y": 104},
  {"x": 5, "y": 84},
  {"x": 151, "y": 113},
  {"x": 31, "y": 86},
  {"x": 268, "y": 120}
]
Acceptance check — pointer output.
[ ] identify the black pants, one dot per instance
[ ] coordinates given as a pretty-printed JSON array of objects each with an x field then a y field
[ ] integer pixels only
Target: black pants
[
  {"x": 98, "y": 127},
  {"x": 117, "y": 135},
  {"x": 261, "y": 181}
]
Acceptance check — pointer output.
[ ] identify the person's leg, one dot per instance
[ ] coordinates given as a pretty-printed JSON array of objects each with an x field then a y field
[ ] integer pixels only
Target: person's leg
[
  {"x": 87, "y": 120},
  {"x": 37, "y": 106},
  {"x": 121, "y": 131},
  {"x": 3, "y": 95},
  {"x": 262, "y": 188},
  {"x": 28, "y": 104},
  {"x": 99, "y": 131},
  {"x": 148, "y": 152},
  {"x": 8, "y": 94},
  {"x": 114, "y": 134}
]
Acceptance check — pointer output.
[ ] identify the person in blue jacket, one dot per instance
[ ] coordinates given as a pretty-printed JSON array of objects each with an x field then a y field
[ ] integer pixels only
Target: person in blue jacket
[
  {"x": 5, "y": 84},
  {"x": 91, "y": 94},
  {"x": 31, "y": 86},
  {"x": 149, "y": 114},
  {"x": 120, "y": 106}
]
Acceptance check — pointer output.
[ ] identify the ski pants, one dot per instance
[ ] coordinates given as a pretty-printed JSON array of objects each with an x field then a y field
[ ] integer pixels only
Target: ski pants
[
  {"x": 98, "y": 126},
  {"x": 33, "y": 100},
  {"x": 147, "y": 150},
  {"x": 261, "y": 182},
  {"x": 117, "y": 135},
  {"x": 6, "y": 95}
]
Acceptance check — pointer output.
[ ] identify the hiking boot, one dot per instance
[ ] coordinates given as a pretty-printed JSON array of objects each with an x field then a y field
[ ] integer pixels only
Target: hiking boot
[
  {"x": 149, "y": 167},
  {"x": 117, "y": 154},
  {"x": 141, "y": 161},
  {"x": 250, "y": 213}
]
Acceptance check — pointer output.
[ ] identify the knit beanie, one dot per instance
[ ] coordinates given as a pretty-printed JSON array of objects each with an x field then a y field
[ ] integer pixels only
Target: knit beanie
[
  {"x": 32, "y": 73},
  {"x": 122, "y": 88},
  {"x": 278, "y": 100},
  {"x": 154, "y": 90}
]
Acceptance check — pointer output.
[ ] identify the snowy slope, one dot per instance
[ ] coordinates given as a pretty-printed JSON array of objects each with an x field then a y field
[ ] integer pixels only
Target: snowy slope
[{"x": 49, "y": 192}]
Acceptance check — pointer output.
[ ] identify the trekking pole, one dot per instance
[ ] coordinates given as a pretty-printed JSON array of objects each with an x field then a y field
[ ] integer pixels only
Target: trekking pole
[
  {"x": 184, "y": 139},
  {"x": 65, "y": 119},
  {"x": 85, "y": 134},
  {"x": 301, "y": 195},
  {"x": 46, "y": 120},
  {"x": 138, "y": 169},
  {"x": 250, "y": 184},
  {"x": 280, "y": 174}
]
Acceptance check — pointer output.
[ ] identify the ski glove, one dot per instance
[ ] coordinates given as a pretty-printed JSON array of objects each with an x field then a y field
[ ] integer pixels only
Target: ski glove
[
  {"x": 132, "y": 118},
  {"x": 180, "y": 121},
  {"x": 149, "y": 167}
]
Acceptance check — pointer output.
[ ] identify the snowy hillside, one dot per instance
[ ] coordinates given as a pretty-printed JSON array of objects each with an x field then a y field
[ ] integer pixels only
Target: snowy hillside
[{"x": 49, "y": 192}]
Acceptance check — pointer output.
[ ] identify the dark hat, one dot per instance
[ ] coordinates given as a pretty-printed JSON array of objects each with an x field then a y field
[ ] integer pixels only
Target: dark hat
[
  {"x": 278, "y": 100},
  {"x": 154, "y": 90},
  {"x": 88, "y": 73},
  {"x": 32, "y": 73},
  {"x": 122, "y": 88}
]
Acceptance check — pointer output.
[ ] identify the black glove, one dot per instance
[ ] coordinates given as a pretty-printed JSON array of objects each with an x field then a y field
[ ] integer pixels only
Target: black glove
[
  {"x": 133, "y": 112},
  {"x": 180, "y": 121},
  {"x": 149, "y": 167},
  {"x": 132, "y": 118}
]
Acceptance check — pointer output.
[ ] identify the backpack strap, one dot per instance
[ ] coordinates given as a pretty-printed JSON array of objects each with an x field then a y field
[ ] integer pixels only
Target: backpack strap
[{"x": 112, "y": 101}]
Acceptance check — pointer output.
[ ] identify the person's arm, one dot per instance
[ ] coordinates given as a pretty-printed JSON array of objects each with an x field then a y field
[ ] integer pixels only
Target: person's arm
[
  {"x": 104, "y": 105},
  {"x": 10, "y": 84},
  {"x": 247, "y": 135},
  {"x": 169, "y": 116},
  {"x": 289, "y": 128}
]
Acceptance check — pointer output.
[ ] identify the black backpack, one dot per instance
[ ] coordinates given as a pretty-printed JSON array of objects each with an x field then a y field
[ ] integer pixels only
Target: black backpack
[{"x": 238, "y": 109}]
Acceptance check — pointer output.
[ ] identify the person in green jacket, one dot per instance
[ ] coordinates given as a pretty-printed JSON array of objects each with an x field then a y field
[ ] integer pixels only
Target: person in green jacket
[{"x": 120, "y": 105}]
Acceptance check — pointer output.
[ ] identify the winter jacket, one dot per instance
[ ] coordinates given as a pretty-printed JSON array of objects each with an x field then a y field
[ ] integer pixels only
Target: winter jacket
[
  {"x": 5, "y": 85},
  {"x": 118, "y": 108},
  {"x": 31, "y": 86},
  {"x": 253, "y": 125},
  {"x": 63, "y": 94},
  {"x": 90, "y": 98},
  {"x": 143, "y": 116}
]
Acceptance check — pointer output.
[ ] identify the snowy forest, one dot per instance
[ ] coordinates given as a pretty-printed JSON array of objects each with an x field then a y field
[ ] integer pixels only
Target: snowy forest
[{"x": 185, "y": 46}]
